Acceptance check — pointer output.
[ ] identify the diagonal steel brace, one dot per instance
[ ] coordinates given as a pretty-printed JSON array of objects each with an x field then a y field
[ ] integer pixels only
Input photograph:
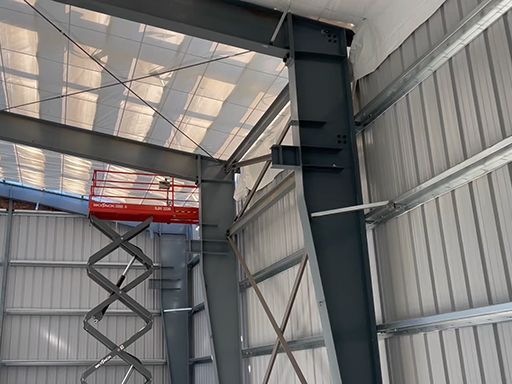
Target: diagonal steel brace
[
  {"x": 121, "y": 294},
  {"x": 267, "y": 310}
]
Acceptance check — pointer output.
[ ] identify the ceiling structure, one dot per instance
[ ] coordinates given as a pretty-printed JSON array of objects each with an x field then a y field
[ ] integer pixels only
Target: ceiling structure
[
  {"x": 210, "y": 105},
  {"x": 179, "y": 92}
]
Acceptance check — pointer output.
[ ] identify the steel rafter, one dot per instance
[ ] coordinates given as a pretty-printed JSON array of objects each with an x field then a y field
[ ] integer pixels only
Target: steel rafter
[{"x": 97, "y": 146}]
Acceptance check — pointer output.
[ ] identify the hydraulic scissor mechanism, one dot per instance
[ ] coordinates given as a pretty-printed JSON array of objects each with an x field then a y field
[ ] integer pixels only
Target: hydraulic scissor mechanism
[{"x": 118, "y": 291}]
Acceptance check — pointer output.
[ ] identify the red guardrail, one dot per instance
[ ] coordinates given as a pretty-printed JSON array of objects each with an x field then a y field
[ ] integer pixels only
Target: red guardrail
[{"x": 135, "y": 196}]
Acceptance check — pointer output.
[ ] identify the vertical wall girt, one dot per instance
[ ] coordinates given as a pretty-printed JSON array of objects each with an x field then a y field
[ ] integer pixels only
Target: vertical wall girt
[
  {"x": 5, "y": 264},
  {"x": 328, "y": 178},
  {"x": 219, "y": 267}
]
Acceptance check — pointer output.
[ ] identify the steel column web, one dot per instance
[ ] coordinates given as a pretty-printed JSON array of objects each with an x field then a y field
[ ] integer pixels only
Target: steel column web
[
  {"x": 327, "y": 178},
  {"x": 117, "y": 293},
  {"x": 220, "y": 271}
]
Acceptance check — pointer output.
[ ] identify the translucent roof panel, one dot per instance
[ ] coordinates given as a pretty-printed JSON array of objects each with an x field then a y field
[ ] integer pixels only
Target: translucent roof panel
[{"x": 208, "y": 95}]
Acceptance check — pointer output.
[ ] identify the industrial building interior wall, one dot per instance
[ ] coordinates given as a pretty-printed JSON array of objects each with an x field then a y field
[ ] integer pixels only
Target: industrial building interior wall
[
  {"x": 273, "y": 245},
  {"x": 48, "y": 293},
  {"x": 202, "y": 370},
  {"x": 454, "y": 251}
]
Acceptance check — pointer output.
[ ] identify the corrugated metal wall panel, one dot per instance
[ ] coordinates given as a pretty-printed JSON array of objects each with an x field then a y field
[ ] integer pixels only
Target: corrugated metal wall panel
[
  {"x": 273, "y": 235},
  {"x": 478, "y": 354},
  {"x": 313, "y": 363},
  {"x": 63, "y": 338},
  {"x": 67, "y": 287},
  {"x": 459, "y": 111},
  {"x": 452, "y": 253},
  {"x": 204, "y": 374},
  {"x": 197, "y": 285},
  {"x": 201, "y": 347},
  {"x": 69, "y": 375},
  {"x": 45, "y": 338},
  {"x": 415, "y": 46},
  {"x": 304, "y": 318},
  {"x": 67, "y": 238}
]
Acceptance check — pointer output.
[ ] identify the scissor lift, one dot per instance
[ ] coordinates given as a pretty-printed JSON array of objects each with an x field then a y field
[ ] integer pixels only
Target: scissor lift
[{"x": 133, "y": 197}]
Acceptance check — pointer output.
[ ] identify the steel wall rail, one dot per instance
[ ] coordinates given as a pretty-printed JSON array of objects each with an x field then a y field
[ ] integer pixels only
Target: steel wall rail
[
  {"x": 465, "y": 172},
  {"x": 484, "y": 14},
  {"x": 476, "y": 316}
]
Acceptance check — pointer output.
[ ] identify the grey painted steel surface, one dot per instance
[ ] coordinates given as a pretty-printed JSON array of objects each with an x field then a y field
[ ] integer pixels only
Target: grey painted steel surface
[
  {"x": 268, "y": 117},
  {"x": 233, "y": 23},
  {"x": 219, "y": 270},
  {"x": 480, "y": 17},
  {"x": 48, "y": 343},
  {"x": 173, "y": 256},
  {"x": 99, "y": 146},
  {"x": 328, "y": 178}
]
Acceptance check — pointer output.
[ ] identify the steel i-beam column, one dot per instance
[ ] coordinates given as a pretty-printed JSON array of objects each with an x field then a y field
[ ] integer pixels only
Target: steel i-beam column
[
  {"x": 220, "y": 270},
  {"x": 327, "y": 177}
]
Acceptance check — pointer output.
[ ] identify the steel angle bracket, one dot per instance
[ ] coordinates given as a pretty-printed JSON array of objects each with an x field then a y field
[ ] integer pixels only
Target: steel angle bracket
[{"x": 116, "y": 292}]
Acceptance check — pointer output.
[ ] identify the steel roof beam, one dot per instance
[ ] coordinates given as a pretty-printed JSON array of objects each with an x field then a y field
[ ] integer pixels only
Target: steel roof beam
[
  {"x": 97, "y": 146},
  {"x": 234, "y": 23}
]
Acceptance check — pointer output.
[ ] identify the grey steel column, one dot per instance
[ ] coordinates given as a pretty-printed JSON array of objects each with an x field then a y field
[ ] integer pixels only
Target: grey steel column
[
  {"x": 327, "y": 177},
  {"x": 174, "y": 295},
  {"x": 217, "y": 211},
  {"x": 5, "y": 265}
]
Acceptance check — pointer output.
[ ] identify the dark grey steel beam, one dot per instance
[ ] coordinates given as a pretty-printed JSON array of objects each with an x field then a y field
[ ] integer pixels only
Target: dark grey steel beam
[
  {"x": 268, "y": 117},
  {"x": 220, "y": 272},
  {"x": 295, "y": 345},
  {"x": 100, "y": 147},
  {"x": 327, "y": 178},
  {"x": 484, "y": 14},
  {"x": 234, "y": 23}
]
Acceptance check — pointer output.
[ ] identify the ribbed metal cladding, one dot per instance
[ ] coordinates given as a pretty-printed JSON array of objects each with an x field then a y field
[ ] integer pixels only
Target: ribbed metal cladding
[
  {"x": 271, "y": 236},
  {"x": 453, "y": 252},
  {"x": 456, "y": 113},
  {"x": 197, "y": 285},
  {"x": 313, "y": 363},
  {"x": 416, "y": 45},
  {"x": 55, "y": 348},
  {"x": 204, "y": 374}
]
